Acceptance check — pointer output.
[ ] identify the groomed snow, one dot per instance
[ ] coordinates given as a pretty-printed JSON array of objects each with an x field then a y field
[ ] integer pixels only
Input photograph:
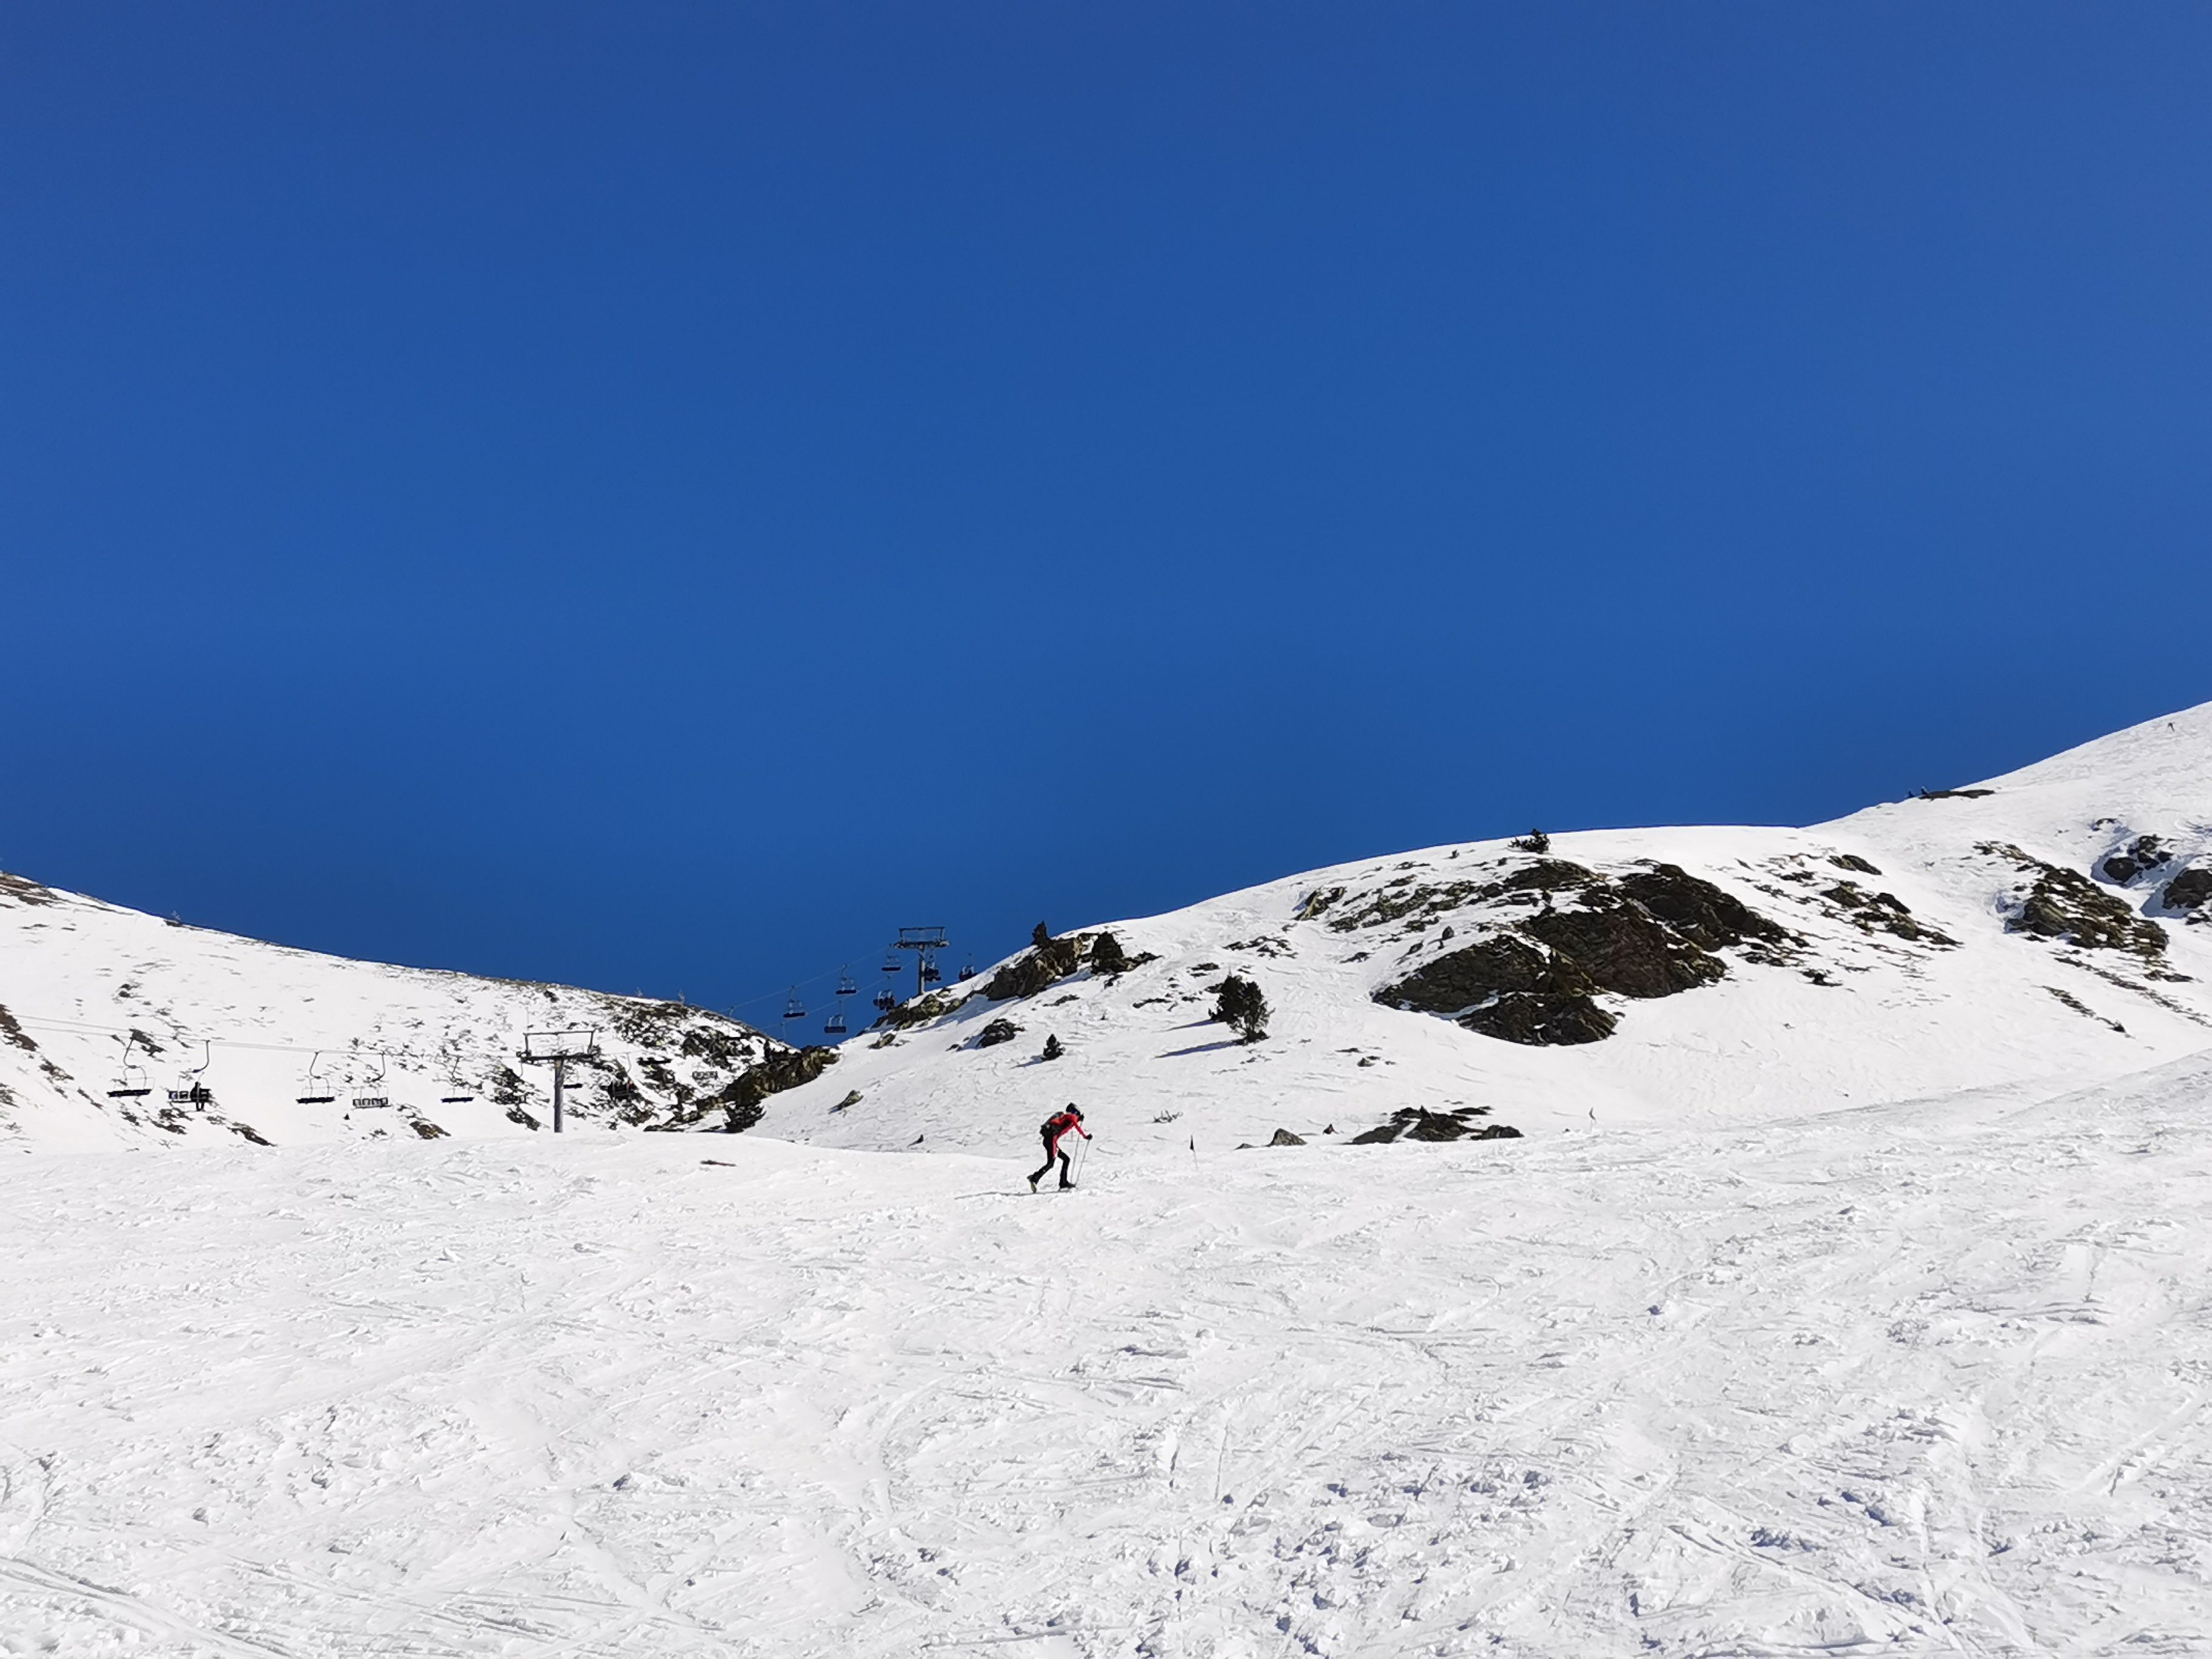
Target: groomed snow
[{"x": 1926, "y": 1378}]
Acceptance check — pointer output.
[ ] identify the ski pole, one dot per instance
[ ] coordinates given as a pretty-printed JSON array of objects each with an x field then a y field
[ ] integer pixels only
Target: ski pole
[{"x": 1082, "y": 1156}]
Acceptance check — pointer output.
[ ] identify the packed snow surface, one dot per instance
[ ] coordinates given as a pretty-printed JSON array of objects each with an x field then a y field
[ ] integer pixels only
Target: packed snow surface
[{"x": 1923, "y": 1378}]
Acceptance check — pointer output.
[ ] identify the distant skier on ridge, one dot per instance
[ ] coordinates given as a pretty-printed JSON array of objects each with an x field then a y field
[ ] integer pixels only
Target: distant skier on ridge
[{"x": 1054, "y": 1131}]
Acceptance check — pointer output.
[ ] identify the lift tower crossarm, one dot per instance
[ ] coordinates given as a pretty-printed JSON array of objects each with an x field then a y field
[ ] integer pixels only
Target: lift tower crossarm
[
  {"x": 925, "y": 943},
  {"x": 556, "y": 1049}
]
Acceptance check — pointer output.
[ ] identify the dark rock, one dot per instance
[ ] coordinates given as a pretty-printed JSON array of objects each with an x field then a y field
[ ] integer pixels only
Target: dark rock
[
  {"x": 2065, "y": 904},
  {"x": 1626, "y": 949},
  {"x": 1107, "y": 956},
  {"x": 1317, "y": 901},
  {"x": 2144, "y": 853},
  {"x": 740, "y": 1098},
  {"x": 997, "y": 1031},
  {"x": 1036, "y": 967},
  {"x": 1540, "y": 1020},
  {"x": 1412, "y": 1123},
  {"x": 1884, "y": 911},
  {"x": 1546, "y": 875},
  {"x": 1052, "y": 1048},
  {"x": 1953, "y": 794},
  {"x": 1285, "y": 1138},
  {"x": 2190, "y": 890},
  {"x": 920, "y": 1010},
  {"x": 1852, "y": 861},
  {"x": 1453, "y": 983},
  {"x": 1706, "y": 915}
]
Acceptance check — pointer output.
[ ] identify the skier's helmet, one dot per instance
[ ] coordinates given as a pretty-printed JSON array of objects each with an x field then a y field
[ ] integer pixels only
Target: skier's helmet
[{"x": 1075, "y": 1111}]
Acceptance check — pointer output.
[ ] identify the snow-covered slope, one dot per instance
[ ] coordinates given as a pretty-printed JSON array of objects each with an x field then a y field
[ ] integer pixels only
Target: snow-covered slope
[
  {"x": 1962, "y": 941},
  {"x": 258, "y": 1026},
  {"x": 1918, "y": 1379}
]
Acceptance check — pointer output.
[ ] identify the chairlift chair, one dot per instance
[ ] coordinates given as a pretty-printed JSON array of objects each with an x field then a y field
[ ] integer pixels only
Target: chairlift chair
[
  {"x": 308, "y": 1095},
  {"x": 887, "y": 999},
  {"x": 130, "y": 1081},
  {"x": 195, "y": 1093},
  {"x": 892, "y": 967},
  {"x": 835, "y": 1026},
  {"x": 374, "y": 1098},
  {"x": 794, "y": 1008},
  {"x": 929, "y": 974},
  {"x": 967, "y": 972},
  {"x": 845, "y": 985}
]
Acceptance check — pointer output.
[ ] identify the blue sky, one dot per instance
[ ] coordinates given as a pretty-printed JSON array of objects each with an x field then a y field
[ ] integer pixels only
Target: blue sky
[{"x": 659, "y": 496}]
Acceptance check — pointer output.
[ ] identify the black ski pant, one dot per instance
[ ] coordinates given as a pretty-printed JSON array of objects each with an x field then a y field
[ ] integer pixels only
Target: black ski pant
[{"x": 1051, "y": 1152}]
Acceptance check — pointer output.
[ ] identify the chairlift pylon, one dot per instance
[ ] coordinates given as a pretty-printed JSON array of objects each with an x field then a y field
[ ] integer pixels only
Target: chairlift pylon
[{"x": 130, "y": 1082}]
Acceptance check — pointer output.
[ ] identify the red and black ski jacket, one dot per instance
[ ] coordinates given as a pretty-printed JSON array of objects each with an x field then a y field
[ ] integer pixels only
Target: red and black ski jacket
[{"x": 1057, "y": 1126}]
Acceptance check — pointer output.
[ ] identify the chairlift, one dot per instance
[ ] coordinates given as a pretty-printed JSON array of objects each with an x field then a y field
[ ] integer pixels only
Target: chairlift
[
  {"x": 130, "y": 1082},
  {"x": 891, "y": 968},
  {"x": 375, "y": 1099},
  {"x": 195, "y": 1093},
  {"x": 887, "y": 999},
  {"x": 967, "y": 972},
  {"x": 835, "y": 1026},
  {"x": 310, "y": 1093},
  {"x": 845, "y": 985},
  {"x": 794, "y": 1008},
  {"x": 461, "y": 1095},
  {"x": 929, "y": 974}
]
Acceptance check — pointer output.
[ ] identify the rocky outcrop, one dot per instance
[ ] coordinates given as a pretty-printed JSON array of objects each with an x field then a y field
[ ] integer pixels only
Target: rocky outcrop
[
  {"x": 1412, "y": 1123},
  {"x": 1624, "y": 948},
  {"x": 2064, "y": 904},
  {"x": 1707, "y": 916},
  {"x": 997, "y": 1031},
  {"x": 1038, "y": 967},
  {"x": 2190, "y": 892},
  {"x": 1506, "y": 988},
  {"x": 2140, "y": 856},
  {"x": 1651, "y": 932},
  {"x": 741, "y": 1099}
]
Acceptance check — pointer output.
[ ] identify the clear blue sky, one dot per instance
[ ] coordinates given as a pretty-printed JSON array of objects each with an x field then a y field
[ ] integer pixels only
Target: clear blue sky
[{"x": 659, "y": 496}]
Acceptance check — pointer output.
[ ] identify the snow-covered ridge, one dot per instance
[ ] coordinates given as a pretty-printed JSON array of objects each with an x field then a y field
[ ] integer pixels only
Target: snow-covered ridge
[
  {"x": 2040, "y": 929},
  {"x": 104, "y": 1012}
]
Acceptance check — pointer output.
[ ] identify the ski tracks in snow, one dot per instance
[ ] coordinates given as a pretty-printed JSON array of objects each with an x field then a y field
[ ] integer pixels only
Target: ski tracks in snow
[{"x": 1923, "y": 1379}]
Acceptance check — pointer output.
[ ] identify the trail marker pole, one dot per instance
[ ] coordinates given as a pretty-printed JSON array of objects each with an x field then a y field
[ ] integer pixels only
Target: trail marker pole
[{"x": 556, "y": 1049}]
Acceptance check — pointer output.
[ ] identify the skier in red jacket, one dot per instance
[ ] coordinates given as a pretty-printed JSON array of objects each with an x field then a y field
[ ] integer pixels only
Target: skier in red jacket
[{"x": 1055, "y": 1130}]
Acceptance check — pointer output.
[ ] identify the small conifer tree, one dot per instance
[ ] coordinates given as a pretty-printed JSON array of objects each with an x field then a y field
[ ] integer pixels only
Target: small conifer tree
[
  {"x": 1241, "y": 1006},
  {"x": 1052, "y": 1048}
]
